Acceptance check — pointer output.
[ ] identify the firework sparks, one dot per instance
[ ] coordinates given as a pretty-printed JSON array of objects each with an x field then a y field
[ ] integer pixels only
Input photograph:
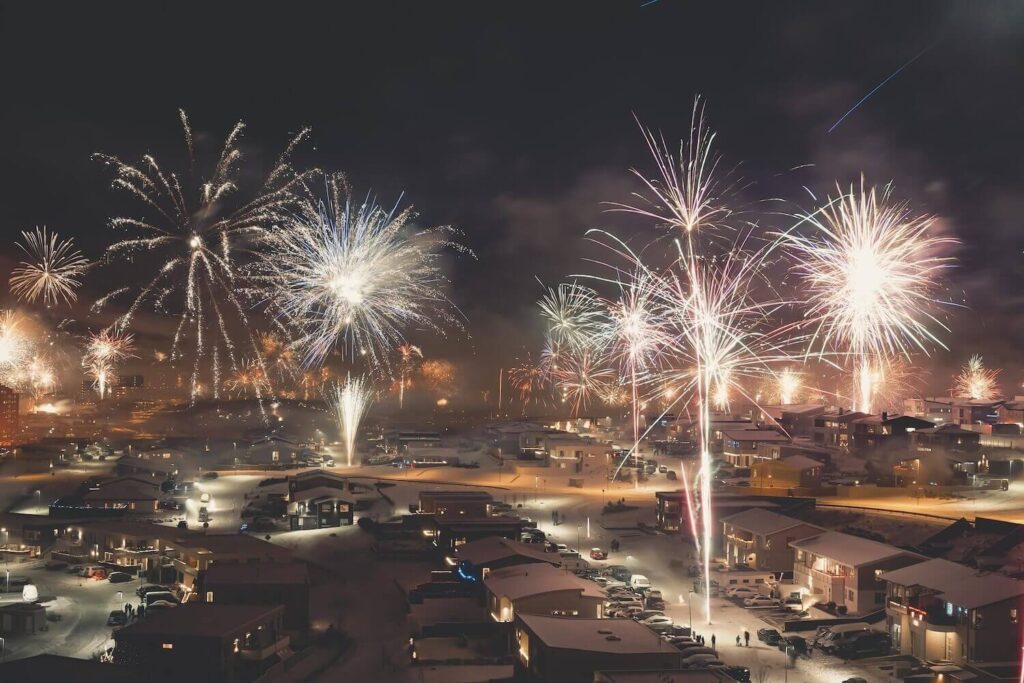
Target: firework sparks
[
  {"x": 976, "y": 382},
  {"x": 53, "y": 271},
  {"x": 249, "y": 380},
  {"x": 871, "y": 272},
  {"x": 197, "y": 237},
  {"x": 103, "y": 352},
  {"x": 573, "y": 314},
  {"x": 785, "y": 386},
  {"x": 408, "y": 356},
  {"x": 351, "y": 271},
  {"x": 527, "y": 378},
  {"x": 349, "y": 402},
  {"x": 14, "y": 342}
]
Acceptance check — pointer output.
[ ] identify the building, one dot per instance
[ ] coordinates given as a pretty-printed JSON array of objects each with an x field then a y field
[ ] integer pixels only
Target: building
[
  {"x": 574, "y": 453},
  {"x": 261, "y": 583},
  {"x": 205, "y": 642},
  {"x": 672, "y": 512},
  {"x": 944, "y": 439},
  {"x": 784, "y": 449},
  {"x": 465, "y": 504},
  {"x": 846, "y": 569},
  {"x": 450, "y": 533},
  {"x": 943, "y": 611},
  {"x": 740, "y": 447},
  {"x": 941, "y": 410},
  {"x": 792, "y": 472},
  {"x": 477, "y": 558},
  {"x": 541, "y": 589},
  {"x": 834, "y": 429},
  {"x": 22, "y": 619},
  {"x": 318, "y": 499},
  {"x": 129, "y": 387},
  {"x": 760, "y": 538},
  {"x": 885, "y": 435},
  {"x": 10, "y": 427},
  {"x": 796, "y": 420},
  {"x": 131, "y": 493},
  {"x": 563, "y": 650}
]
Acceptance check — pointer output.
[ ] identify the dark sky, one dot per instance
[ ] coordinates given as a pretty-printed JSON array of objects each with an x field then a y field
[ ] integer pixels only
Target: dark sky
[{"x": 514, "y": 121}]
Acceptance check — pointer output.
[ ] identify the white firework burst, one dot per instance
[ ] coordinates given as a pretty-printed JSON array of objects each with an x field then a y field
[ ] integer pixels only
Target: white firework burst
[{"x": 53, "y": 271}]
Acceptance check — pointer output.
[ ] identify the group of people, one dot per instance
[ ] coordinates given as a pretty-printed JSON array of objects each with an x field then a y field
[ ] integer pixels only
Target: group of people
[
  {"x": 132, "y": 613},
  {"x": 746, "y": 638}
]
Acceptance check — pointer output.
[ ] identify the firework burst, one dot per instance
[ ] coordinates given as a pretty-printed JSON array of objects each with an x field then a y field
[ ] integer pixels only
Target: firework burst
[
  {"x": 103, "y": 352},
  {"x": 53, "y": 271},
  {"x": 976, "y": 382},
  {"x": 349, "y": 401},
  {"x": 249, "y": 380},
  {"x": 196, "y": 229},
  {"x": 350, "y": 271},
  {"x": 871, "y": 271},
  {"x": 408, "y": 357}
]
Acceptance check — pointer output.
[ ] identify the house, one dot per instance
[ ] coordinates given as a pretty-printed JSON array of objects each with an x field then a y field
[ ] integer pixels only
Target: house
[
  {"x": 477, "y": 558},
  {"x": 449, "y": 533},
  {"x": 260, "y": 583},
  {"x": 465, "y": 504},
  {"x": 572, "y": 452},
  {"x": 553, "y": 649},
  {"x": 673, "y": 513},
  {"x": 760, "y": 538},
  {"x": 205, "y": 642},
  {"x": 318, "y": 500},
  {"x": 740, "y": 447},
  {"x": 540, "y": 589},
  {"x": 834, "y": 429},
  {"x": 783, "y": 449},
  {"x": 944, "y": 439},
  {"x": 22, "y": 618},
  {"x": 885, "y": 435},
  {"x": 846, "y": 569},
  {"x": 796, "y": 420},
  {"x": 943, "y": 611},
  {"x": 953, "y": 410},
  {"x": 795, "y": 471},
  {"x": 132, "y": 493}
]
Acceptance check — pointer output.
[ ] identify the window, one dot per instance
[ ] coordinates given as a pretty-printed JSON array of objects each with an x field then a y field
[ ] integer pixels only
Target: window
[
  {"x": 209, "y": 596},
  {"x": 168, "y": 646},
  {"x": 1014, "y": 618}
]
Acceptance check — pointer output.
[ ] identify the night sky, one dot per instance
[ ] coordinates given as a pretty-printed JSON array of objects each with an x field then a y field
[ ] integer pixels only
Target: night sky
[{"x": 514, "y": 122}]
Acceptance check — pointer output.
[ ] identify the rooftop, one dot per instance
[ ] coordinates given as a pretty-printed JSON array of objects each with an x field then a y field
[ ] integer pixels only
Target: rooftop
[
  {"x": 754, "y": 435},
  {"x": 493, "y": 548},
  {"x": 126, "y": 488},
  {"x": 257, "y": 572},
  {"x": 800, "y": 462},
  {"x": 234, "y": 544},
  {"x": 533, "y": 579},
  {"x": 611, "y": 636},
  {"x": 764, "y": 522},
  {"x": 963, "y": 586},
  {"x": 844, "y": 417},
  {"x": 207, "y": 620},
  {"x": 848, "y": 549}
]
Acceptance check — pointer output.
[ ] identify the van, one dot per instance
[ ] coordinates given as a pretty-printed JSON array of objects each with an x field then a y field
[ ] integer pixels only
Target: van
[
  {"x": 639, "y": 582},
  {"x": 835, "y": 636}
]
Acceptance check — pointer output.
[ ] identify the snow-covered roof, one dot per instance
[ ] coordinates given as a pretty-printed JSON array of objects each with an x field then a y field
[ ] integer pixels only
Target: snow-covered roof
[
  {"x": 848, "y": 549},
  {"x": 963, "y": 586},
  {"x": 613, "y": 636},
  {"x": 764, "y": 522},
  {"x": 492, "y": 548},
  {"x": 800, "y": 462},
  {"x": 534, "y": 579},
  {"x": 754, "y": 435}
]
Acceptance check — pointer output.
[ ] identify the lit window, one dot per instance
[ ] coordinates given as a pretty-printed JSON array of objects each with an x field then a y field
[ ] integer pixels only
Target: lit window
[
  {"x": 1013, "y": 615},
  {"x": 209, "y": 596},
  {"x": 168, "y": 646}
]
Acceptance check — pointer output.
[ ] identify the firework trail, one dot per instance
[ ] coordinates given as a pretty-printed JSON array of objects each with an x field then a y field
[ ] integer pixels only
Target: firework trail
[
  {"x": 408, "y": 356},
  {"x": 976, "y": 382},
  {"x": 53, "y": 271},
  {"x": 346, "y": 270},
  {"x": 349, "y": 402},
  {"x": 103, "y": 352},
  {"x": 871, "y": 272},
  {"x": 198, "y": 230}
]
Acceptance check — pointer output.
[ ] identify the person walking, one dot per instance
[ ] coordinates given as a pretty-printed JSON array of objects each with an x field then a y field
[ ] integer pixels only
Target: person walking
[
  {"x": 713, "y": 642},
  {"x": 737, "y": 640},
  {"x": 746, "y": 637}
]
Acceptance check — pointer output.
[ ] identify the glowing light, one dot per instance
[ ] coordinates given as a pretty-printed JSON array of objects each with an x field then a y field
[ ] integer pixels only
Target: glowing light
[
  {"x": 976, "y": 382},
  {"x": 102, "y": 354}
]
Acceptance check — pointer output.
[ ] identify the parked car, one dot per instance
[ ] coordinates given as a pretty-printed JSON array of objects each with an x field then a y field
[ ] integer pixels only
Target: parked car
[
  {"x": 661, "y": 629},
  {"x": 606, "y": 582},
  {"x": 119, "y": 577},
  {"x": 794, "y": 604},
  {"x": 619, "y": 572},
  {"x": 761, "y": 601},
  {"x": 55, "y": 565},
  {"x": 630, "y": 611},
  {"x": 159, "y": 596},
  {"x": 742, "y": 592},
  {"x": 768, "y": 635},
  {"x": 737, "y": 673},
  {"x": 204, "y": 498},
  {"x": 655, "y": 603},
  {"x": 149, "y": 588},
  {"x": 874, "y": 644},
  {"x": 160, "y": 605},
  {"x": 702, "y": 659},
  {"x": 208, "y": 476},
  {"x": 75, "y": 569},
  {"x": 648, "y": 613},
  {"x": 798, "y": 643},
  {"x": 656, "y": 619},
  {"x": 639, "y": 582},
  {"x": 117, "y": 618},
  {"x": 671, "y": 475},
  {"x": 690, "y": 649},
  {"x": 598, "y": 554},
  {"x": 663, "y": 469}
]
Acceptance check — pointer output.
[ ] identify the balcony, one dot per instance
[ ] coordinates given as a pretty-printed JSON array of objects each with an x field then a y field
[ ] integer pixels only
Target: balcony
[{"x": 258, "y": 654}]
